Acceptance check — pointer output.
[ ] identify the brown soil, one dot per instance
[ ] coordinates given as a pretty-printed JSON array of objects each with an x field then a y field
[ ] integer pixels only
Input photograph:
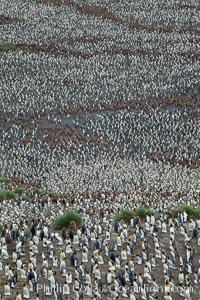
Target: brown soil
[
  {"x": 173, "y": 160},
  {"x": 8, "y": 20},
  {"x": 56, "y": 135},
  {"x": 156, "y": 273},
  {"x": 103, "y": 12},
  {"x": 188, "y": 6},
  {"x": 54, "y": 49}
]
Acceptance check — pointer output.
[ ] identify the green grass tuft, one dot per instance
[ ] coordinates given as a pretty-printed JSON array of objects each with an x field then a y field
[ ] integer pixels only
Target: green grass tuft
[
  {"x": 40, "y": 192},
  {"x": 192, "y": 212},
  {"x": 28, "y": 232},
  {"x": 19, "y": 191},
  {"x": 86, "y": 55},
  {"x": 7, "y": 47},
  {"x": 125, "y": 215},
  {"x": 7, "y": 194},
  {"x": 60, "y": 53},
  {"x": 63, "y": 221},
  {"x": 5, "y": 180},
  {"x": 141, "y": 212}
]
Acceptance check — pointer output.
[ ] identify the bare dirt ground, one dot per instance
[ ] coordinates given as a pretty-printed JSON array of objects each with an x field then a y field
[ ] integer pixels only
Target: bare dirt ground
[{"x": 157, "y": 273}]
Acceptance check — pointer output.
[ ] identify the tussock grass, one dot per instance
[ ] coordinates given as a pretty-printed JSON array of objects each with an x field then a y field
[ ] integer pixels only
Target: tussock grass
[{"x": 64, "y": 220}]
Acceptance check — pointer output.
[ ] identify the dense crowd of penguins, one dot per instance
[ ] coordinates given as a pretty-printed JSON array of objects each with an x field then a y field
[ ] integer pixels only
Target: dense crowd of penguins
[
  {"x": 102, "y": 259},
  {"x": 153, "y": 13},
  {"x": 98, "y": 79},
  {"x": 33, "y": 83},
  {"x": 119, "y": 158},
  {"x": 52, "y": 82}
]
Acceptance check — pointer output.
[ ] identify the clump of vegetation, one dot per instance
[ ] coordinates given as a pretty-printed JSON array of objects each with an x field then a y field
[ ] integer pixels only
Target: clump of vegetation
[
  {"x": 60, "y": 53},
  {"x": 1, "y": 227},
  {"x": 125, "y": 215},
  {"x": 5, "y": 180},
  {"x": 7, "y": 194},
  {"x": 19, "y": 191},
  {"x": 40, "y": 192},
  {"x": 86, "y": 55},
  {"x": 25, "y": 196},
  {"x": 141, "y": 212},
  {"x": 148, "y": 194},
  {"x": 8, "y": 47},
  {"x": 28, "y": 232},
  {"x": 191, "y": 212},
  {"x": 150, "y": 212},
  {"x": 64, "y": 221}
]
